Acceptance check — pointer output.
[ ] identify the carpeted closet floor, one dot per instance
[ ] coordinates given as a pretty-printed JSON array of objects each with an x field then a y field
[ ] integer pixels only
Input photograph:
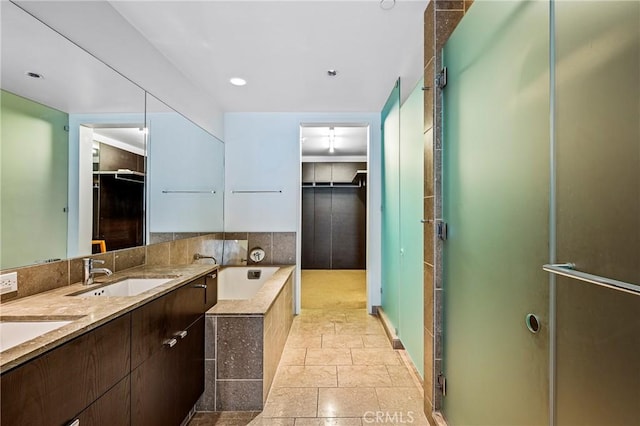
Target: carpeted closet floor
[{"x": 334, "y": 289}]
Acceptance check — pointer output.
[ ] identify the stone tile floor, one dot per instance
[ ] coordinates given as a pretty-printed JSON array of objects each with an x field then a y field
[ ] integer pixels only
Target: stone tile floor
[{"x": 337, "y": 368}]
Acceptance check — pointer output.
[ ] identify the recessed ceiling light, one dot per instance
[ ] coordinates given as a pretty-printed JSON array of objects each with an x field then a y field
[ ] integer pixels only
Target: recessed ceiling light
[
  {"x": 33, "y": 74},
  {"x": 332, "y": 73},
  {"x": 237, "y": 81},
  {"x": 387, "y": 4}
]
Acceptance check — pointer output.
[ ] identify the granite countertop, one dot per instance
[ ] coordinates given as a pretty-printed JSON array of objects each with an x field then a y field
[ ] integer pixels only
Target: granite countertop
[{"x": 85, "y": 313}]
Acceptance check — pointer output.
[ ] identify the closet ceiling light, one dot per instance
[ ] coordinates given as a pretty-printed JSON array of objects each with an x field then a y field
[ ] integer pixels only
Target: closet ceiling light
[{"x": 332, "y": 139}]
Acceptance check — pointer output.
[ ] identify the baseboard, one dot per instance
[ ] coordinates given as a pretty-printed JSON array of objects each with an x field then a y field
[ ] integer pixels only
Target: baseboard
[{"x": 389, "y": 329}]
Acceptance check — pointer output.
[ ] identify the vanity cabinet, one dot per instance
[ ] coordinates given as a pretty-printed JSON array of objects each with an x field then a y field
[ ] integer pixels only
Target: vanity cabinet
[
  {"x": 143, "y": 368},
  {"x": 86, "y": 375},
  {"x": 153, "y": 325},
  {"x": 111, "y": 409},
  {"x": 168, "y": 356},
  {"x": 167, "y": 385}
]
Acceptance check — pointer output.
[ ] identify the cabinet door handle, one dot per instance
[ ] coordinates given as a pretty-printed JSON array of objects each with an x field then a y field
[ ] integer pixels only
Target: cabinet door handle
[
  {"x": 182, "y": 334},
  {"x": 170, "y": 342},
  {"x": 76, "y": 422},
  {"x": 212, "y": 275},
  {"x": 200, "y": 286}
]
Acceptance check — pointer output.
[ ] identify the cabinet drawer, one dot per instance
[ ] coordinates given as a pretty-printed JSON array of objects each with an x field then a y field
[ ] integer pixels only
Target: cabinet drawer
[
  {"x": 111, "y": 409},
  {"x": 211, "y": 298},
  {"x": 58, "y": 385},
  {"x": 168, "y": 384},
  {"x": 161, "y": 320}
]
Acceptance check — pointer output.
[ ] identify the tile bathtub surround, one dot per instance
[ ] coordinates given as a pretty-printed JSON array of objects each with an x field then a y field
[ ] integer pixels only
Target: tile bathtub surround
[
  {"x": 39, "y": 278},
  {"x": 277, "y": 323},
  {"x": 279, "y": 247},
  {"x": 240, "y": 347},
  {"x": 242, "y": 351}
]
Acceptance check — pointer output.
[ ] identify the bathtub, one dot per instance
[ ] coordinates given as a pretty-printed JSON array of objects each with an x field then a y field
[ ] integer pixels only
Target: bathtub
[
  {"x": 245, "y": 333},
  {"x": 242, "y": 282}
]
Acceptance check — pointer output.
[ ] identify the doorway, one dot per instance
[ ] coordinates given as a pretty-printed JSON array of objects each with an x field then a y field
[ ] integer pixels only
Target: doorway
[
  {"x": 334, "y": 206},
  {"x": 111, "y": 193}
]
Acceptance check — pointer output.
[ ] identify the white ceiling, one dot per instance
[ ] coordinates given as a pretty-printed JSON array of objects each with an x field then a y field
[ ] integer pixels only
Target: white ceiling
[
  {"x": 82, "y": 85},
  {"x": 184, "y": 52},
  {"x": 284, "y": 50},
  {"x": 127, "y": 138}
]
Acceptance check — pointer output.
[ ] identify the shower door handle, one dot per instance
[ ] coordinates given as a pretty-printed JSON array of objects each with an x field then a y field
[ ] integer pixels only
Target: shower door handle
[{"x": 568, "y": 270}]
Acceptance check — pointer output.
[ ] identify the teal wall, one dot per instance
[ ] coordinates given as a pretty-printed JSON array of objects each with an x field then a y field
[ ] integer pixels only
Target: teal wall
[{"x": 33, "y": 182}]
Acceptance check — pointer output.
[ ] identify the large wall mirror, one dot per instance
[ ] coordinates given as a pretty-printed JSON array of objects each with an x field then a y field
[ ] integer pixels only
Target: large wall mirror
[
  {"x": 58, "y": 104},
  {"x": 186, "y": 174},
  {"x": 84, "y": 166}
]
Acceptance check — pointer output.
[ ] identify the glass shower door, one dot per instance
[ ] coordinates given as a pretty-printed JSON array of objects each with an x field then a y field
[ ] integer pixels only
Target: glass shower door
[
  {"x": 495, "y": 186},
  {"x": 598, "y": 211},
  {"x": 390, "y": 118}
]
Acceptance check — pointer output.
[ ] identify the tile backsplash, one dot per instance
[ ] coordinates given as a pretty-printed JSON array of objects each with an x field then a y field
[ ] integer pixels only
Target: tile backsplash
[{"x": 165, "y": 249}]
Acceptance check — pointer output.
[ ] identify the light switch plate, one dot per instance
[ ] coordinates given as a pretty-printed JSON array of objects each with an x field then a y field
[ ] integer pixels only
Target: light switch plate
[{"x": 8, "y": 282}]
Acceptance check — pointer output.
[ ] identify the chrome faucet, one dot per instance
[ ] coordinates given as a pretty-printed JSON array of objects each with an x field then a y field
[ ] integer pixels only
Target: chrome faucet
[
  {"x": 199, "y": 256},
  {"x": 89, "y": 270}
]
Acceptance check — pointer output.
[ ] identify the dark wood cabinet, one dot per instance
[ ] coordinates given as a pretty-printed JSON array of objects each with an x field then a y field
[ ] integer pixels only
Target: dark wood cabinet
[
  {"x": 163, "y": 319},
  {"x": 111, "y": 409},
  {"x": 334, "y": 215},
  {"x": 211, "y": 295},
  {"x": 348, "y": 228},
  {"x": 56, "y": 387},
  {"x": 143, "y": 368},
  {"x": 334, "y": 228},
  {"x": 118, "y": 199},
  {"x": 151, "y": 388},
  {"x": 191, "y": 366},
  {"x": 168, "y": 384},
  {"x": 168, "y": 353}
]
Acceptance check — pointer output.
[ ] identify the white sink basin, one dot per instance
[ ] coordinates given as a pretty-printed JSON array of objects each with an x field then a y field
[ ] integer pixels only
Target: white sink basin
[
  {"x": 126, "y": 287},
  {"x": 12, "y": 333}
]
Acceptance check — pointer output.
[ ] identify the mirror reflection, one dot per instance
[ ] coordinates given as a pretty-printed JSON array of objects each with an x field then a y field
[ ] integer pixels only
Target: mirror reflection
[
  {"x": 118, "y": 158},
  {"x": 54, "y": 96},
  {"x": 85, "y": 168},
  {"x": 186, "y": 175}
]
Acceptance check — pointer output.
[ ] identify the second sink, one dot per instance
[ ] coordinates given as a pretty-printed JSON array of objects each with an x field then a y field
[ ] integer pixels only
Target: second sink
[
  {"x": 126, "y": 287},
  {"x": 13, "y": 333}
]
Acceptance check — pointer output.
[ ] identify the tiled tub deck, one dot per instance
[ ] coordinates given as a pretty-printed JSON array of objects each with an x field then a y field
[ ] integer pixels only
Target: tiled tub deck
[{"x": 244, "y": 339}]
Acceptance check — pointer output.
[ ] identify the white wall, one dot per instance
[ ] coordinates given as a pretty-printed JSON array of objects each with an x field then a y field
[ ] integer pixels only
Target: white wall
[{"x": 262, "y": 152}]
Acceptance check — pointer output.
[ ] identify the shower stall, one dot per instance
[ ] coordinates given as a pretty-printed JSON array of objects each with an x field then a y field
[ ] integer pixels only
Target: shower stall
[{"x": 541, "y": 195}]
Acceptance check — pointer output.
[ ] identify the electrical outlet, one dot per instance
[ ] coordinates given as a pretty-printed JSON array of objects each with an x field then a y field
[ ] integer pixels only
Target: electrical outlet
[{"x": 8, "y": 282}]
